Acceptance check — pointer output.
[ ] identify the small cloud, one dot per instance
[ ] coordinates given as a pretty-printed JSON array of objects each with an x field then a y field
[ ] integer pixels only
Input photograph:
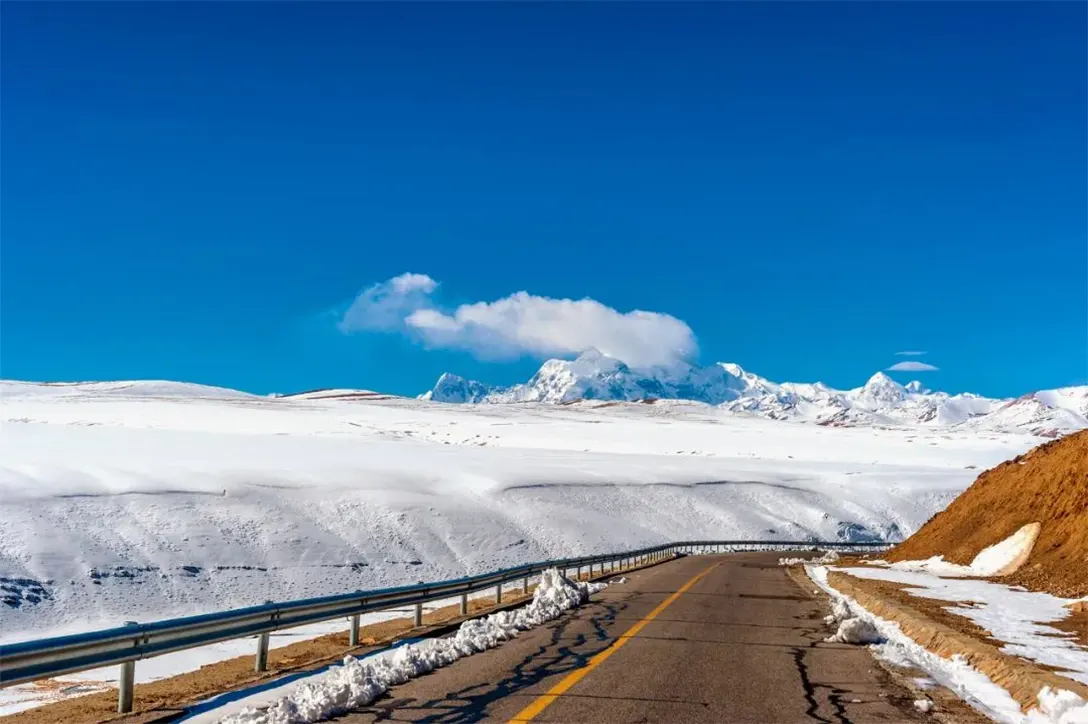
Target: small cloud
[
  {"x": 518, "y": 324},
  {"x": 909, "y": 353},
  {"x": 912, "y": 366},
  {"x": 384, "y": 306}
]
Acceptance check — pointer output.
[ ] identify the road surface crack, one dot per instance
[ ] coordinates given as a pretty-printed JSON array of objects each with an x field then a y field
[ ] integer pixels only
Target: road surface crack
[{"x": 834, "y": 697}]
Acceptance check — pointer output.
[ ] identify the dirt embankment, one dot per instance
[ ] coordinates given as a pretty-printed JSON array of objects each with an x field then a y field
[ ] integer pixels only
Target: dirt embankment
[
  {"x": 1047, "y": 485},
  {"x": 946, "y": 635}
]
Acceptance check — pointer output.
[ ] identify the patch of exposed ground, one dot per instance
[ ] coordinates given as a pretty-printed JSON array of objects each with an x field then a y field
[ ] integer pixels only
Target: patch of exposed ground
[
  {"x": 1048, "y": 485},
  {"x": 917, "y": 619},
  {"x": 1075, "y": 623}
]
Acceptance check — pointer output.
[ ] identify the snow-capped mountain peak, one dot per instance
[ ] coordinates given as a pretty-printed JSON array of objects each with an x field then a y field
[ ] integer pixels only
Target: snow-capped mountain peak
[
  {"x": 881, "y": 401},
  {"x": 883, "y": 389},
  {"x": 454, "y": 388}
]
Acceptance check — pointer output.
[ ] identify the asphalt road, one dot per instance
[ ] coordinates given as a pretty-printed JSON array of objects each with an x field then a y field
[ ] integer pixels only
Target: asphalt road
[{"x": 700, "y": 639}]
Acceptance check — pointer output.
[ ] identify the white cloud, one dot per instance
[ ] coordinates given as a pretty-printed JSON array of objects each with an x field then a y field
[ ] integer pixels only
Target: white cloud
[
  {"x": 912, "y": 366},
  {"x": 909, "y": 353},
  {"x": 384, "y": 306},
  {"x": 520, "y": 324}
]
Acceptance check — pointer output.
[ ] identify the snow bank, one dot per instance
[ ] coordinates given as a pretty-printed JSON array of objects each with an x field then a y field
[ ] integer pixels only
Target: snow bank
[
  {"x": 852, "y": 629},
  {"x": 1057, "y": 706},
  {"x": 1008, "y": 555},
  {"x": 828, "y": 557},
  {"x": 855, "y": 631},
  {"x": 974, "y": 687},
  {"x": 359, "y": 682}
]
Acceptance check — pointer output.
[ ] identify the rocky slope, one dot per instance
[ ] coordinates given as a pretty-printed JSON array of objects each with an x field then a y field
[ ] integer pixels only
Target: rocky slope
[{"x": 881, "y": 401}]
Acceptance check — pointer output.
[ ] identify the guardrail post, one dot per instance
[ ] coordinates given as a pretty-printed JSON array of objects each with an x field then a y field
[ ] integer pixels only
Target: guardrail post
[
  {"x": 353, "y": 632},
  {"x": 124, "y": 687},
  {"x": 579, "y": 573},
  {"x": 525, "y": 585},
  {"x": 417, "y": 618},
  {"x": 498, "y": 593},
  {"x": 464, "y": 604},
  {"x": 261, "y": 662}
]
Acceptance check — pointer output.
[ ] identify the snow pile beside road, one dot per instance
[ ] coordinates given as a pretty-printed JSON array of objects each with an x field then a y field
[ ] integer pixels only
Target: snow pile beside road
[
  {"x": 1057, "y": 706},
  {"x": 923, "y": 705},
  {"x": 852, "y": 629},
  {"x": 359, "y": 682},
  {"x": 855, "y": 630},
  {"x": 840, "y": 611},
  {"x": 828, "y": 557}
]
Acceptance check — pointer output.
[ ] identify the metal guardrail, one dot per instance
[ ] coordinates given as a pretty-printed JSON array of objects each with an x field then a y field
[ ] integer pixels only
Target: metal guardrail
[{"x": 125, "y": 645}]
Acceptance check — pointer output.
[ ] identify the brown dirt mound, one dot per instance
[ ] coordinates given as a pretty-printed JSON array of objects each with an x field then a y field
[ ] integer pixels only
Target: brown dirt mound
[{"x": 1048, "y": 485}]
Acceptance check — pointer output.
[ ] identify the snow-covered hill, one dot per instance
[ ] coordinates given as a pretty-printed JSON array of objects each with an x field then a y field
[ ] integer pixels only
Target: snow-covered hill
[
  {"x": 133, "y": 501},
  {"x": 879, "y": 402}
]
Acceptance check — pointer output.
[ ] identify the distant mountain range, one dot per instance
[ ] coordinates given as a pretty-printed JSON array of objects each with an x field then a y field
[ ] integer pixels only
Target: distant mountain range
[{"x": 879, "y": 402}]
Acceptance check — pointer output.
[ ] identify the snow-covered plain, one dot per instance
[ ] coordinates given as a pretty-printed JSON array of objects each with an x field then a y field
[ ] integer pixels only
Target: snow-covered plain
[{"x": 137, "y": 501}]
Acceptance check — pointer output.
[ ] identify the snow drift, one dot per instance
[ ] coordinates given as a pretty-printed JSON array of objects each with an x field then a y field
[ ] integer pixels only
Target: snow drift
[{"x": 359, "y": 682}]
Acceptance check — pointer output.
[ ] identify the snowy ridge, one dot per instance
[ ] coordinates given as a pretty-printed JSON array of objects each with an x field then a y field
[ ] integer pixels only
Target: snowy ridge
[
  {"x": 879, "y": 402},
  {"x": 131, "y": 388}
]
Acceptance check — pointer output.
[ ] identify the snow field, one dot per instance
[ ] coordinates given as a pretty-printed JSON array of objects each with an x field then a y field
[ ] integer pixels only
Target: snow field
[{"x": 168, "y": 506}]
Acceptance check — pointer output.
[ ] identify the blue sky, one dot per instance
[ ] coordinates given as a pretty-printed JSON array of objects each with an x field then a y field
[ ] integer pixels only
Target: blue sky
[{"x": 199, "y": 191}]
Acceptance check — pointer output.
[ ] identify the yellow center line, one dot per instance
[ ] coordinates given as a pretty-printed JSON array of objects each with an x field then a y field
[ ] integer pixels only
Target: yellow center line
[{"x": 544, "y": 700}]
